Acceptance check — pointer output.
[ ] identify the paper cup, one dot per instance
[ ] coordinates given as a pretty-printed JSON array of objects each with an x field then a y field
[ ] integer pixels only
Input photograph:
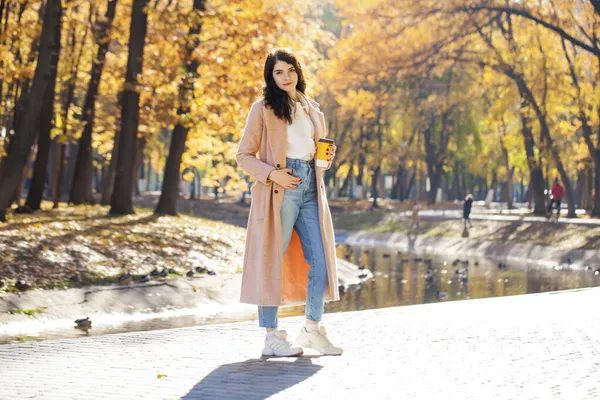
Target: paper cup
[{"x": 322, "y": 147}]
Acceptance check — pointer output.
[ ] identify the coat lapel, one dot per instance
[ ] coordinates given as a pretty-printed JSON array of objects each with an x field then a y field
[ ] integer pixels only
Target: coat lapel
[{"x": 277, "y": 135}]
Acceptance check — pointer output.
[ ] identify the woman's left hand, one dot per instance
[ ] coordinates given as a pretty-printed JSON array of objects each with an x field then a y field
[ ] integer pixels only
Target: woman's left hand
[{"x": 331, "y": 155}]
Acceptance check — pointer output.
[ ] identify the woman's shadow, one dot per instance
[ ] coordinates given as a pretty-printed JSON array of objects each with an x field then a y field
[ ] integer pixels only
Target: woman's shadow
[{"x": 256, "y": 378}]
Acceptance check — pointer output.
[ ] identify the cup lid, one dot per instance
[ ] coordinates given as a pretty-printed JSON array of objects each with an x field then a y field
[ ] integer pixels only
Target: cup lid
[{"x": 326, "y": 140}]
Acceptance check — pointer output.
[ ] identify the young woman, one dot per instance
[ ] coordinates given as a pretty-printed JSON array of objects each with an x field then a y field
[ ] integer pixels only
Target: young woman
[{"x": 290, "y": 249}]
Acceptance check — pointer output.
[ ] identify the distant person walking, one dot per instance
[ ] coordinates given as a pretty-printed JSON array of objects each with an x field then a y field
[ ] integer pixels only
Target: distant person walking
[
  {"x": 556, "y": 195},
  {"x": 467, "y": 210},
  {"x": 415, "y": 220}
]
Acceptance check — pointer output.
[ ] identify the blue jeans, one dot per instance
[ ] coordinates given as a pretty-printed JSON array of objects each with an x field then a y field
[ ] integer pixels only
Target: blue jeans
[{"x": 300, "y": 211}]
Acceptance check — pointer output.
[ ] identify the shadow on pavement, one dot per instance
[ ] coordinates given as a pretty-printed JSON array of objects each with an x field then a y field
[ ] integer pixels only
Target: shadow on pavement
[{"x": 257, "y": 378}]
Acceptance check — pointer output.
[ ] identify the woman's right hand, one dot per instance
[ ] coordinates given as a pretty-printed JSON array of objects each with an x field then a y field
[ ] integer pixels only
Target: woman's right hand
[{"x": 284, "y": 178}]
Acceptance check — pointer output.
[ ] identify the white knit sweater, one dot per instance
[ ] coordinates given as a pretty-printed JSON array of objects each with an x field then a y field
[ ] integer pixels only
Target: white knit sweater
[{"x": 300, "y": 135}]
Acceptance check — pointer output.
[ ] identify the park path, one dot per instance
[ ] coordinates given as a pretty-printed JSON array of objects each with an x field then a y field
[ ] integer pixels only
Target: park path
[
  {"x": 483, "y": 214},
  {"x": 543, "y": 346}
]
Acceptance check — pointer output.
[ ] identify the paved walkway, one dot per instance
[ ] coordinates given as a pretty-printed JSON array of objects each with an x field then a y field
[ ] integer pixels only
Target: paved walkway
[
  {"x": 542, "y": 346},
  {"x": 480, "y": 213}
]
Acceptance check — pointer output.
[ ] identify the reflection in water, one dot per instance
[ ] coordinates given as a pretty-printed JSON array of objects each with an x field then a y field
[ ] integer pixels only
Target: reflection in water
[
  {"x": 402, "y": 279},
  {"x": 407, "y": 278},
  {"x": 399, "y": 279}
]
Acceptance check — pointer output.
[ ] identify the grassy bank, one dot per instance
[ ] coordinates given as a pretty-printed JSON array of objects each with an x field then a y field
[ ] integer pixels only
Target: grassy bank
[
  {"x": 74, "y": 246},
  {"x": 539, "y": 233}
]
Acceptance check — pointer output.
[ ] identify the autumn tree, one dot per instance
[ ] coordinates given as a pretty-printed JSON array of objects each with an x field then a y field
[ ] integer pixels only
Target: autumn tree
[
  {"x": 25, "y": 128},
  {"x": 81, "y": 187},
  {"x": 73, "y": 60},
  {"x": 167, "y": 203},
  {"x": 44, "y": 127},
  {"x": 121, "y": 202},
  {"x": 408, "y": 39}
]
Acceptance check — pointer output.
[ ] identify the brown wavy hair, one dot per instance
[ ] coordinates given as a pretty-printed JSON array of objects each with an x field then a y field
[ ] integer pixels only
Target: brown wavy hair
[{"x": 276, "y": 98}]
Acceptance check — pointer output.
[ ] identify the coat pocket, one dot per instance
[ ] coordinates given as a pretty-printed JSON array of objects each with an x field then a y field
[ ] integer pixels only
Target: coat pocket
[{"x": 258, "y": 204}]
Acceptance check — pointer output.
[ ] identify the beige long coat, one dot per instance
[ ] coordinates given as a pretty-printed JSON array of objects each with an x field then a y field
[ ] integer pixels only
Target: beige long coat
[{"x": 269, "y": 277}]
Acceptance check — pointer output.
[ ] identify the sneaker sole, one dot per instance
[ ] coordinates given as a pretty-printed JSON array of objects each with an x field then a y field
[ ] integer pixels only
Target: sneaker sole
[{"x": 272, "y": 354}]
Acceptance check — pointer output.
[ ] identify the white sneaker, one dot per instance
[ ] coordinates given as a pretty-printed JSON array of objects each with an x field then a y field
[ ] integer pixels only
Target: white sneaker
[
  {"x": 276, "y": 344},
  {"x": 318, "y": 340}
]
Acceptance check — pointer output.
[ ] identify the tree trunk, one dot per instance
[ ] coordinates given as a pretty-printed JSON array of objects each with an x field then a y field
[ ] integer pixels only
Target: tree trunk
[
  {"x": 536, "y": 185},
  {"x": 508, "y": 189},
  {"x": 581, "y": 189},
  {"x": 456, "y": 187},
  {"x": 58, "y": 176},
  {"x": 44, "y": 126},
  {"x": 167, "y": 204},
  {"x": 374, "y": 181},
  {"x": 18, "y": 193},
  {"x": 121, "y": 200},
  {"x": 82, "y": 179},
  {"x": 434, "y": 182},
  {"x": 360, "y": 184},
  {"x": 586, "y": 128},
  {"x": 405, "y": 185},
  {"x": 434, "y": 171},
  {"x": 411, "y": 183},
  {"x": 398, "y": 191},
  {"x": 536, "y": 181},
  {"x": 148, "y": 174},
  {"x": 193, "y": 193},
  {"x": 360, "y": 176},
  {"x": 435, "y": 153},
  {"x": 596, "y": 208},
  {"x": 343, "y": 190},
  {"x": 23, "y": 138},
  {"x": 430, "y": 174},
  {"x": 19, "y": 88},
  {"x": 109, "y": 180},
  {"x": 446, "y": 187},
  {"x": 40, "y": 171},
  {"x": 473, "y": 189},
  {"x": 545, "y": 131},
  {"x": 139, "y": 157},
  {"x": 330, "y": 176},
  {"x": 463, "y": 185},
  {"x": 588, "y": 187}
]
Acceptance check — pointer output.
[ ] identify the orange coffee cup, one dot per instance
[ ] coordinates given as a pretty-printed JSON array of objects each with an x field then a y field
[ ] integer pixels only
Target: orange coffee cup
[{"x": 322, "y": 147}]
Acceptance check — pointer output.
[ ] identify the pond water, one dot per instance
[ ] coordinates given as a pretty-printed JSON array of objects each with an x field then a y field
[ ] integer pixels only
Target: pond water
[
  {"x": 398, "y": 279},
  {"x": 407, "y": 278}
]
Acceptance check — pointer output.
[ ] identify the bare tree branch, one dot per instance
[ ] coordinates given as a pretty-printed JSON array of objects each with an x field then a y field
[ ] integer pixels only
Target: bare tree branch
[{"x": 527, "y": 15}]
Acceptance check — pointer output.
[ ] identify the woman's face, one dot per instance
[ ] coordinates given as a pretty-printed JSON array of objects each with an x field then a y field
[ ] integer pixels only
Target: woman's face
[{"x": 285, "y": 76}]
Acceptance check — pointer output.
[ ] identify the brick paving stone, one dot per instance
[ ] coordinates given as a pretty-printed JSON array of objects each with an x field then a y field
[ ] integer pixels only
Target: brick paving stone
[{"x": 542, "y": 346}]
